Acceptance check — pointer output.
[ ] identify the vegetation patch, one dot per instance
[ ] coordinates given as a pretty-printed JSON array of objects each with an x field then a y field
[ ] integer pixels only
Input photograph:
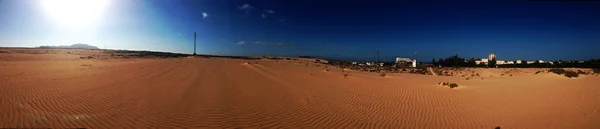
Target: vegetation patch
[
  {"x": 422, "y": 71},
  {"x": 597, "y": 71},
  {"x": 448, "y": 84},
  {"x": 560, "y": 71}
]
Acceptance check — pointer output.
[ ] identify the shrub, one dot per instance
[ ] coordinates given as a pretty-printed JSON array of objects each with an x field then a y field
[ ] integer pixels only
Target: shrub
[
  {"x": 448, "y": 84},
  {"x": 452, "y": 85},
  {"x": 571, "y": 74},
  {"x": 382, "y": 74},
  {"x": 557, "y": 71}
]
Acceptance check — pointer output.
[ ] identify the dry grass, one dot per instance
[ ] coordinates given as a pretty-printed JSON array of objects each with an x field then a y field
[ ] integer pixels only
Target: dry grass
[{"x": 448, "y": 84}]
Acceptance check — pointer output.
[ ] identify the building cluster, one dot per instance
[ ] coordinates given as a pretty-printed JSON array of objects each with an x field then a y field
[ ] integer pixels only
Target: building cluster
[
  {"x": 366, "y": 63},
  {"x": 400, "y": 62},
  {"x": 502, "y": 62}
]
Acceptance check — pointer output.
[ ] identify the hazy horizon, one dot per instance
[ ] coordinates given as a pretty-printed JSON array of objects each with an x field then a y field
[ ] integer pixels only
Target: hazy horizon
[{"x": 515, "y": 30}]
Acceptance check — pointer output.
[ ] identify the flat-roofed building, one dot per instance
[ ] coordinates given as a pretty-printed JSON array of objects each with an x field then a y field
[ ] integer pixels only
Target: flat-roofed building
[{"x": 500, "y": 62}]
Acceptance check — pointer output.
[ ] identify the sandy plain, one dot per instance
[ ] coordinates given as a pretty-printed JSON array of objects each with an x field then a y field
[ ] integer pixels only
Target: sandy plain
[{"x": 60, "y": 88}]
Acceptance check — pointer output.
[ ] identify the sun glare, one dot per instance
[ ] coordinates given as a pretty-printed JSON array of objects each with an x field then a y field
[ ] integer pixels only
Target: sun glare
[{"x": 75, "y": 13}]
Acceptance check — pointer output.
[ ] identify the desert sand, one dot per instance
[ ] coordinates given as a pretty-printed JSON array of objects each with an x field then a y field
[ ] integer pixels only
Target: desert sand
[{"x": 58, "y": 88}]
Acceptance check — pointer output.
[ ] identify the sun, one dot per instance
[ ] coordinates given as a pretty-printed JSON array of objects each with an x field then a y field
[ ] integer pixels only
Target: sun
[{"x": 75, "y": 13}]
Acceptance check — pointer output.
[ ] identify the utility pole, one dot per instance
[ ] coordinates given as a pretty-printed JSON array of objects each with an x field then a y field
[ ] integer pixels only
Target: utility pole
[
  {"x": 377, "y": 64},
  {"x": 194, "y": 43}
]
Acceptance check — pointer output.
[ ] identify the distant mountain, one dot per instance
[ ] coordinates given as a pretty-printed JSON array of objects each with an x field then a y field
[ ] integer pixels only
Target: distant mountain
[{"x": 74, "y": 46}]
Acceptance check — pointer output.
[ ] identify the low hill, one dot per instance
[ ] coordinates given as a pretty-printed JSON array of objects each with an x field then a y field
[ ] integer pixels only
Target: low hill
[{"x": 74, "y": 46}]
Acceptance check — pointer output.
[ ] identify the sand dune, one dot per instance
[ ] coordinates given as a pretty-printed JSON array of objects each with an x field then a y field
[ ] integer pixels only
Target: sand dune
[{"x": 61, "y": 90}]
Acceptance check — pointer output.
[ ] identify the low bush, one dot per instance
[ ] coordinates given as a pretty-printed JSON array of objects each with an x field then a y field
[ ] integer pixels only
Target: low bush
[
  {"x": 569, "y": 74},
  {"x": 557, "y": 71},
  {"x": 452, "y": 85},
  {"x": 448, "y": 84}
]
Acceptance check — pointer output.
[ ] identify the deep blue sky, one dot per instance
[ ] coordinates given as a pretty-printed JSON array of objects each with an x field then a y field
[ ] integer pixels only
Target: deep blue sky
[{"x": 332, "y": 29}]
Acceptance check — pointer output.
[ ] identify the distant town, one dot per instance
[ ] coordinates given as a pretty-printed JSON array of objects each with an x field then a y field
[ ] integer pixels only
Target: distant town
[{"x": 490, "y": 61}]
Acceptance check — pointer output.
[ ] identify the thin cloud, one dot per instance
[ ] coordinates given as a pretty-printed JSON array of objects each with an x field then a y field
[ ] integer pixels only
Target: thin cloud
[
  {"x": 246, "y": 8},
  {"x": 263, "y": 15},
  {"x": 241, "y": 43},
  {"x": 270, "y": 11},
  {"x": 204, "y": 15}
]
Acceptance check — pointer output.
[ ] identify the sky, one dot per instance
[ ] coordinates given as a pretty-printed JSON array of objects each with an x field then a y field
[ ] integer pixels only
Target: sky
[{"x": 345, "y": 30}]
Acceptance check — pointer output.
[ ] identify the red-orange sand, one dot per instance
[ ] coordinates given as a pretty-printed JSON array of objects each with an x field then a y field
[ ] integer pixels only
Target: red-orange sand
[{"x": 60, "y": 90}]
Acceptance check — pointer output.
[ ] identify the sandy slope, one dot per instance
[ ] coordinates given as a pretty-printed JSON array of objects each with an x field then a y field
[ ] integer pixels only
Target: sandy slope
[{"x": 222, "y": 93}]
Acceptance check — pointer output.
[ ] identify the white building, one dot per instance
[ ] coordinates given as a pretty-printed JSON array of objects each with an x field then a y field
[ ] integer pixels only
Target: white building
[
  {"x": 484, "y": 61},
  {"x": 541, "y": 61},
  {"x": 519, "y": 61},
  {"x": 414, "y": 63},
  {"x": 500, "y": 62},
  {"x": 530, "y": 62},
  {"x": 354, "y": 63},
  {"x": 510, "y": 62},
  {"x": 404, "y": 60},
  {"x": 492, "y": 56}
]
